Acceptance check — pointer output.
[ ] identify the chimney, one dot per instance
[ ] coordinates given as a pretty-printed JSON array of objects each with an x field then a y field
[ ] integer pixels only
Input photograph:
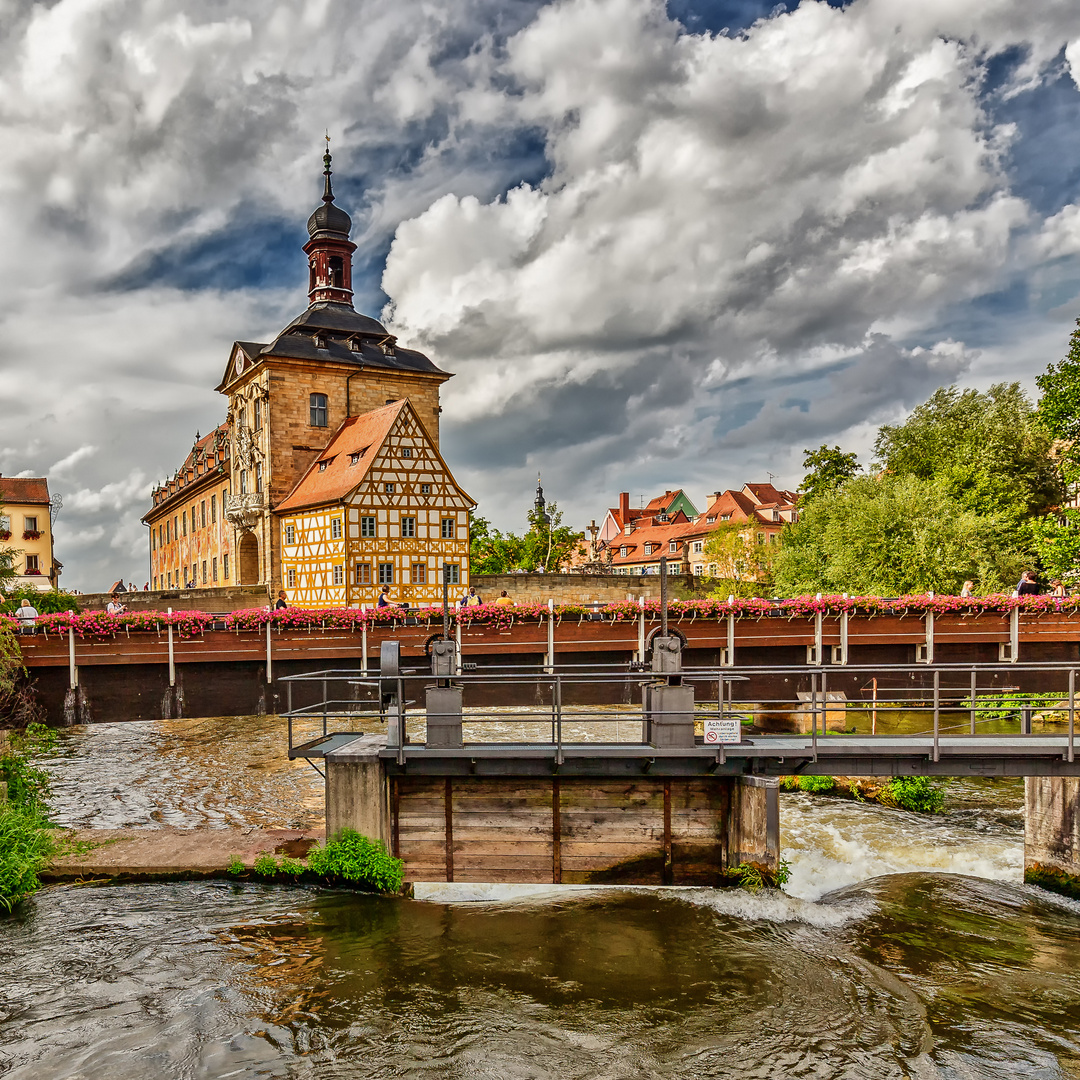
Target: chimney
[{"x": 624, "y": 506}]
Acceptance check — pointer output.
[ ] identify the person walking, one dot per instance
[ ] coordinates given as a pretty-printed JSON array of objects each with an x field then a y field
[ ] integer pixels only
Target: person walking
[
  {"x": 1028, "y": 584},
  {"x": 27, "y": 615},
  {"x": 281, "y": 601}
]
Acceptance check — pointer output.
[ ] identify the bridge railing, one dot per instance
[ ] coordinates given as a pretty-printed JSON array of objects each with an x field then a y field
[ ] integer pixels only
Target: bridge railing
[{"x": 896, "y": 702}]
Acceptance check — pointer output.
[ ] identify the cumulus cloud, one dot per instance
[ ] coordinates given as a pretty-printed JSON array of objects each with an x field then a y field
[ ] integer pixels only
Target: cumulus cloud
[{"x": 651, "y": 256}]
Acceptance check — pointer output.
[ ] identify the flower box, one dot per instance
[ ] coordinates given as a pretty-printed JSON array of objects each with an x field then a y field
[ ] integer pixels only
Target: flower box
[
  {"x": 5, "y": 535},
  {"x": 32, "y": 570},
  {"x": 31, "y": 534}
]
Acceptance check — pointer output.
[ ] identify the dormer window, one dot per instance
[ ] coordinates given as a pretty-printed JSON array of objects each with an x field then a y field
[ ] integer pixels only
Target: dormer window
[
  {"x": 776, "y": 515},
  {"x": 673, "y": 546},
  {"x": 322, "y": 466},
  {"x": 725, "y": 517},
  {"x": 320, "y": 341},
  {"x": 710, "y": 520},
  {"x": 648, "y": 549},
  {"x": 622, "y": 552}
]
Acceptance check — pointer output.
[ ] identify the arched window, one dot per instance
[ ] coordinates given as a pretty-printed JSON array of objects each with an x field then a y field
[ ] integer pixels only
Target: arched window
[{"x": 337, "y": 272}]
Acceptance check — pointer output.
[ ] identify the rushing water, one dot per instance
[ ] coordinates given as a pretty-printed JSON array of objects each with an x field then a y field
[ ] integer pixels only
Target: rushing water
[{"x": 906, "y": 946}]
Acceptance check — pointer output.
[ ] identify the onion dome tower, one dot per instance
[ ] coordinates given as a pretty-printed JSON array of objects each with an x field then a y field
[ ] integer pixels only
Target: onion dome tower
[{"x": 329, "y": 250}]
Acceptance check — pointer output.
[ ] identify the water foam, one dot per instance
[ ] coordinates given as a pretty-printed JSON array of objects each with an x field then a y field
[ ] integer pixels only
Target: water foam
[{"x": 831, "y": 844}]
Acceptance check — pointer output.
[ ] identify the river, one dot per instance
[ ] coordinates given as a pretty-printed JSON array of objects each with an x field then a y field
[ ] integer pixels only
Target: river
[{"x": 903, "y": 946}]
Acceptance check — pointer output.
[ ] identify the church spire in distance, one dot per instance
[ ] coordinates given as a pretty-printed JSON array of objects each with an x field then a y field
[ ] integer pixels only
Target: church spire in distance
[{"x": 329, "y": 250}]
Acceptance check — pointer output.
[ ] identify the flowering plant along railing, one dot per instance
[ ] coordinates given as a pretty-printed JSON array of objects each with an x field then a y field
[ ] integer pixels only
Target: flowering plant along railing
[{"x": 191, "y": 623}]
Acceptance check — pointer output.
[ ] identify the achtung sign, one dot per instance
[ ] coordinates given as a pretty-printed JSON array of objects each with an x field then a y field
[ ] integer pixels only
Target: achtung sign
[{"x": 726, "y": 729}]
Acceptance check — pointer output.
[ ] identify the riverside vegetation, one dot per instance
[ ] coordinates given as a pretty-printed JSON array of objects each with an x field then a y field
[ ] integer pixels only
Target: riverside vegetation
[
  {"x": 920, "y": 794},
  {"x": 349, "y": 859}
]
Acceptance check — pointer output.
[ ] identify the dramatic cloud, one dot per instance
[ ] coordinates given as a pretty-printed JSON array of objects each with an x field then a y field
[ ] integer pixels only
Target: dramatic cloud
[{"x": 650, "y": 255}]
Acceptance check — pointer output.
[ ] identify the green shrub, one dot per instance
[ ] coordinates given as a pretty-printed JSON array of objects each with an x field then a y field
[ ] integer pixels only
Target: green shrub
[
  {"x": 236, "y": 865},
  {"x": 26, "y": 846},
  {"x": 816, "y": 784},
  {"x": 266, "y": 865},
  {"x": 28, "y": 786},
  {"x": 754, "y": 876},
  {"x": 920, "y": 793},
  {"x": 789, "y": 783},
  {"x": 45, "y": 603},
  {"x": 292, "y": 867},
  {"x": 357, "y": 859}
]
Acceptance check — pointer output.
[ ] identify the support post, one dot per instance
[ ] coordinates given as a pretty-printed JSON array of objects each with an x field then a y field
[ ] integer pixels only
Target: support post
[
  {"x": 172, "y": 658},
  {"x": 974, "y": 694},
  {"x": 357, "y": 790},
  {"x": 73, "y": 671},
  {"x": 1014, "y": 635},
  {"x": 269, "y": 655},
  {"x": 730, "y": 658},
  {"x": 641, "y": 630},
  {"x": 1052, "y": 832},
  {"x": 550, "y": 661},
  {"x": 363, "y": 638},
  {"x": 752, "y": 830},
  {"x": 844, "y": 635},
  {"x": 937, "y": 714},
  {"x": 928, "y": 656}
]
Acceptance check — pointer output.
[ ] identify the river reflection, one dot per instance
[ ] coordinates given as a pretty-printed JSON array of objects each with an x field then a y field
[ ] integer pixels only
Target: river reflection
[{"x": 910, "y": 976}]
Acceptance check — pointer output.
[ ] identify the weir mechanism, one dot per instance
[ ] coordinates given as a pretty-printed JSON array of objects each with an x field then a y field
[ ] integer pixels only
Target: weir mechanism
[{"x": 681, "y": 788}]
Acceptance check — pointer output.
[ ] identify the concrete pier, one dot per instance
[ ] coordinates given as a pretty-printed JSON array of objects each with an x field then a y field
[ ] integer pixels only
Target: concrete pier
[{"x": 1052, "y": 832}]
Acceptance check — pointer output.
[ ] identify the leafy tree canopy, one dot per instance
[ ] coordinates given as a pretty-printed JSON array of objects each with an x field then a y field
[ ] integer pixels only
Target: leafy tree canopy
[
  {"x": 1059, "y": 405},
  {"x": 986, "y": 450},
  {"x": 892, "y": 535},
  {"x": 826, "y": 467},
  {"x": 742, "y": 564},
  {"x": 547, "y": 545}
]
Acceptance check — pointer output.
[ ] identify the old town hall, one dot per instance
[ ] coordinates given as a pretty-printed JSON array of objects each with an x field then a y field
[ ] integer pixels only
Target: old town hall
[{"x": 326, "y": 478}]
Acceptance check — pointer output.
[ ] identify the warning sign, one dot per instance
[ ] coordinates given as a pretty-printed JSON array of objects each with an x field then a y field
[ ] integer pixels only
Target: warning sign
[{"x": 727, "y": 729}]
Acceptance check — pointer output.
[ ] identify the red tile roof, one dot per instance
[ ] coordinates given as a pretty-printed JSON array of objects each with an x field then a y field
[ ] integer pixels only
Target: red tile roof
[
  {"x": 366, "y": 434},
  {"x": 24, "y": 489}
]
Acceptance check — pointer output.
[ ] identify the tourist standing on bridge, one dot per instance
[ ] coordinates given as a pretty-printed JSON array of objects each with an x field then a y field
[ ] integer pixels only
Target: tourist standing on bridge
[
  {"x": 504, "y": 600},
  {"x": 470, "y": 599},
  {"x": 27, "y": 615},
  {"x": 1028, "y": 585},
  {"x": 281, "y": 601},
  {"x": 114, "y": 607},
  {"x": 965, "y": 589}
]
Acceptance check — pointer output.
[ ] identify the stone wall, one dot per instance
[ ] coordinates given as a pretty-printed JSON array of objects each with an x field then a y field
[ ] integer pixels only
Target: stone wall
[
  {"x": 234, "y": 599},
  {"x": 583, "y": 588}
]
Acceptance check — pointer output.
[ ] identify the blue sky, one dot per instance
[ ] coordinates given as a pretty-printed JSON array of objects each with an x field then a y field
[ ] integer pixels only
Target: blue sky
[{"x": 659, "y": 246}]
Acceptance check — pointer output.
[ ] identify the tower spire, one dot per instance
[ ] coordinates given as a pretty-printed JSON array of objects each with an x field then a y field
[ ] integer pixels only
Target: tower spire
[
  {"x": 329, "y": 250},
  {"x": 328, "y": 191}
]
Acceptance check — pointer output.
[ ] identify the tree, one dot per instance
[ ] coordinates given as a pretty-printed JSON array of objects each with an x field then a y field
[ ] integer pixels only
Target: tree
[
  {"x": 548, "y": 544},
  {"x": 988, "y": 450},
  {"x": 891, "y": 535},
  {"x": 7, "y": 562},
  {"x": 742, "y": 564},
  {"x": 826, "y": 468},
  {"x": 1059, "y": 403}
]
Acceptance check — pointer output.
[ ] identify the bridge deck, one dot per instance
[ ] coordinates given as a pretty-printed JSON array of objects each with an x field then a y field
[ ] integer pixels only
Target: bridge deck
[{"x": 771, "y": 755}]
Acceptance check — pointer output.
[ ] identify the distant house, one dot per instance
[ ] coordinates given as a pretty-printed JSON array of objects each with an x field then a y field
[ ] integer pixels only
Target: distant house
[
  {"x": 26, "y": 528},
  {"x": 636, "y": 540},
  {"x": 671, "y": 508}
]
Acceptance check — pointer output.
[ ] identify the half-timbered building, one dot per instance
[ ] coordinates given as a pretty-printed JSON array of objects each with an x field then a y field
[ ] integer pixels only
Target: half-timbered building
[{"x": 378, "y": 507}]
